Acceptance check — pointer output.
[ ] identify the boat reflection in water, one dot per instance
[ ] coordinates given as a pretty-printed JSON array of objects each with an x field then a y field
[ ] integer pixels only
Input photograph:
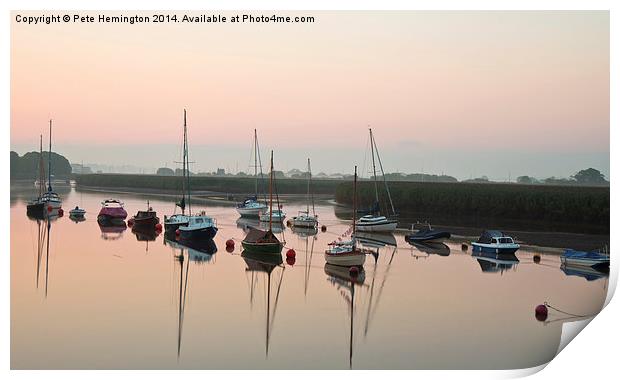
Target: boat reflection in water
[
  {"x": 112, "y": 230},
  {"x": 304, "y": 231},
  {"x": 339, "y": 277},
  {"x": 44, "y": 229},
  {"x": 197, "y": 251},
  {"x": 77, "y": 218},
  {"x": 245, "y": 223},
  {"x": 496, "y": 262},
  {"x": 375, "y": 240},
  {"x": 145, "y": 233},
  {"x": 262, "y": 266},
  {"x": 432, "y": 248},
  {"x": 589, "y": 273}
]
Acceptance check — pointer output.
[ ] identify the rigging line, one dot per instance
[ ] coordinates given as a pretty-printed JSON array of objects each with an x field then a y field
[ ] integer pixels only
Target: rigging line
[{"x": 564, "y": 312}]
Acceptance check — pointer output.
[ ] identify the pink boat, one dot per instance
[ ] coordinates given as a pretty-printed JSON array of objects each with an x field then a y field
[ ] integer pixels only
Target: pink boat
[{"x": 112, "y": 210}]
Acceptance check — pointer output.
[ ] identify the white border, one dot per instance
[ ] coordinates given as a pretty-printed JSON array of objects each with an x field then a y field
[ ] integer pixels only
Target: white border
[{"x": 591, "y": 356}]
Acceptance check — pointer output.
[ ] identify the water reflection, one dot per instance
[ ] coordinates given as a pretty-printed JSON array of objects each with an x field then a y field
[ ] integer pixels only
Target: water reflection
[
  {"x": 496, "y": 263},
  {"x": 77, "y": 218},
  {"x": 200, "y": 251},
  {"x": 432, "y": 248},
  {"x": 339, "y": 277},
  {"x": 590, "y": 274},
  {"x": 111, "y": 231},
  {"x": 263, "y": 266},
  {"x": 44, "y": 231},
  {"x": 245, "y": 223},
  {"x": 375, "y": 240}
]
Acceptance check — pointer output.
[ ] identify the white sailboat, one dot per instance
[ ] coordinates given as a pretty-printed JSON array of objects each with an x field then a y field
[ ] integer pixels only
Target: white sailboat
[
  {"x": 251, "y": 206},
  {"x": 375, "y": 222},
  {"x": 304, "y": 219}
]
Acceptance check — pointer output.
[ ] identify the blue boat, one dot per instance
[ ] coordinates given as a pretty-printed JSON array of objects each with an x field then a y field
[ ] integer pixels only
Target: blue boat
[
  {"x": 591, "y": 259},
  {"x": 493, "y": 241},
  {"x": 428, "y": 234}
]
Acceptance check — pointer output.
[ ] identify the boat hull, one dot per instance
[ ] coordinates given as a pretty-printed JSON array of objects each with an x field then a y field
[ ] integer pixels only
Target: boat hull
[
  {"x": 388, "y": 226},
  {"x": 500, "y": 249},
  {"x": 346, "y": 259},
  {"x": 251, "y": 211},
  {"x": 267, "y": 248},
  {"x": 36, "y": 209},
  {"x": 204, "y": 233},
  {"x": 299, "y": 223},
  {"x": 147, "y": 222},
  {"x": 112, "y": 213},
  {"x": 591, "y": 263},
  {"x": 432, "y": 237}
]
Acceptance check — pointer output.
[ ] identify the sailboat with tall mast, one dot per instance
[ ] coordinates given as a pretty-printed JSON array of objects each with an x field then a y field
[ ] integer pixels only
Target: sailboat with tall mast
[
  {"x": 50, "y": 198},
  {"x": 251, "y": 206},
  {"x": 173, "y": 222},
  {"x": 375, "y": 222},
  {"x": 36, "y": 207},
  {"x": 264, "y": 241},
  {"x": 304, "y": 219},
  {"x": 347, "y": 254}
]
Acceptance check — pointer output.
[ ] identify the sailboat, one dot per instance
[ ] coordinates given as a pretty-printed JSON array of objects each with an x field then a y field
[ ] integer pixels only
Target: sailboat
[
  {"x": 36, "y": 207},
  {"x": 304, "y": 219},
  {"x": 264, "y": 241},
  {"x": 251, "y": 207},
  {"x": 173, "y": 222},
  {"x": 199, "y": 226},
  {"x": 375, "y": 222},
  {"x": 49, "y": 200},
  {"x": 347, "y": 254}
]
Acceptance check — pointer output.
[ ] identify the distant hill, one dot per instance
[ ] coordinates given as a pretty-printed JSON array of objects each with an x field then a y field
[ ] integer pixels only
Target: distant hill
[{"x": 27, "y": 166}]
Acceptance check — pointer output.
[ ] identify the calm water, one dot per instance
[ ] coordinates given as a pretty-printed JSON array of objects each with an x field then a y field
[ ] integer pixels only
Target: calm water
[{"x": 113, "y": 299}]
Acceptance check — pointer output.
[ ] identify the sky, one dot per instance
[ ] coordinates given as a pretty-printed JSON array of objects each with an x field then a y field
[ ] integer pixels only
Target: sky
[{"x": 464, "y": 93}]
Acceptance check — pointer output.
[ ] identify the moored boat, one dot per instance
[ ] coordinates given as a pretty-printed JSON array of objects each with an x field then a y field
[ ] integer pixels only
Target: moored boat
[
  {"x": 343, "y": 253},
  {"x": 199, "y": 227},
  {"x": 264, "y": 241},
  {"x": 173, "y": 222},
  {"x": 111, "y": 210},
  {"x": 585, "y": 259},
  {"x": 493, "y": 241},
  {"x": 251, "y": 207},
  {"x": 428, "y": 234},
  {"x": 147, "y": 218},
  {"x": 276, "y": 216},
  {"x": 304, "y": 219}
]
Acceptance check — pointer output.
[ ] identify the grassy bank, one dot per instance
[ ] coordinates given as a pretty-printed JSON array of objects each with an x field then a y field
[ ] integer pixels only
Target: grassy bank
[
  {"x": 225, "y": 185},
  {"x": 587, "y": 207}
]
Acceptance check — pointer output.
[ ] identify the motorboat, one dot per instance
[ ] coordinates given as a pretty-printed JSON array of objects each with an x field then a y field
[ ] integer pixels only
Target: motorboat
[
  {"x": 147, "y": 218},
  {"x": 493, "y": 241},
  {"x": 251, "y": 207},
  {"x": 77, "y": 212},
  {"x": 199, "y": 227},
  {"x": 277, "y": 216},
  {"x": 111, "y": 209},
  {"x": 585, "y": 259},
  {"x": 428, "y": 234}
]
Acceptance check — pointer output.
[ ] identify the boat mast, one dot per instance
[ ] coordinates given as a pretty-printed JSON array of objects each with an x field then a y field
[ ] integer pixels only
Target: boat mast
[
  {"x": 271, "y": 192},
  {"x": 255, "y": 165},
  {"x": 309, "y": 183},
  {"x": 354, "y": 203},
  {"x": 374, "y": 168},
  {"x": 387, "y": 189},
  {"x": 184, "y": 150},
  {"x": 186, "y": 163},
  {"x": 41, "y": 167},
  {"x": 308, "y": 191},
  {"x": 49, "y": 162}
]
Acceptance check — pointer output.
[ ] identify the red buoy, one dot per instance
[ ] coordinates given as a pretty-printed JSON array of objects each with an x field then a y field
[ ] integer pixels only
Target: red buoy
[
  {"x": 541, "y": 312},
  {"x": 323, "y": 228},
  {"x": 49, "y": 208},
  {"x": 177, "y": 232},
  {"x": 60, "y": 212},
  {"x": 230, "y": 243},
  {"x": 130, "y": 222},
  {"x": 230, "y": 249},
  {"x": 354, "y": 271},
  {"x": 536, "y": 259},
  {"x": 290, "y": 253},
  {"x": 290, "y": 261},
  {"x": 158, "y": 227}
]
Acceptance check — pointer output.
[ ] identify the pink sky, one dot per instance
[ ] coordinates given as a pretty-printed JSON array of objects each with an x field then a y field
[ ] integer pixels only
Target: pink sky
[{"x": 530, "y": 81}]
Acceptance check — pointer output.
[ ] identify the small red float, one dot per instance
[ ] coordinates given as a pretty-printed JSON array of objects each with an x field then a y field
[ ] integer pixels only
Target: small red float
[
  {"x": 60, "y": 212},
  {"x": 323, "y": 228},
  {"x": 541, "y": 312},
  {"x": 230, "y": 243},
  {"x": 290, "y": 261},
  {"x": 49, "y": 208},
  {"x": 158, "y": 227},
  {"x": 536, "y": 259},
  {"x": 290, "y": 253},
  {"x": 130, "y": 222},
  {"x": 354, "y": 272},
  {"x": 230, "y": 249}
]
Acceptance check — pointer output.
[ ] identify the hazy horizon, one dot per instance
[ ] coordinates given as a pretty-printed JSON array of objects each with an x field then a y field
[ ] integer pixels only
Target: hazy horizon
[{"x": 464, "y": 93}]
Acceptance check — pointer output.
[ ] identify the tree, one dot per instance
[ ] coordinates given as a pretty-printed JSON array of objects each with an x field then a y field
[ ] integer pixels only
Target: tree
[
  {"x": 526, "y": 179},
  {"x": 589, "y": 176},
  {"x": 165, "y": 171}
]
